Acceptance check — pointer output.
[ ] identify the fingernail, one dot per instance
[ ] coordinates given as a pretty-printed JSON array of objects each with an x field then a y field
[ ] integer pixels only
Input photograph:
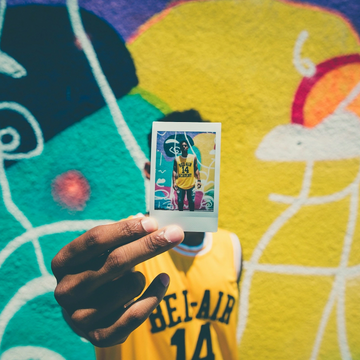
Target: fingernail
[
  {"x": 164, "y": 278},
  {"x": 174, "y": 234},
  {"x": 149, "y": 224}
]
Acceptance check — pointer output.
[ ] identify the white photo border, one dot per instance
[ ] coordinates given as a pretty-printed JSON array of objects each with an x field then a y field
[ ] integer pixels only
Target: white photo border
[{"x": 206, "y": 221}]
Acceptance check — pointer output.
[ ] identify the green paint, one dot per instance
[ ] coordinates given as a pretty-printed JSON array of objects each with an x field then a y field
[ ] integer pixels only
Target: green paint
[
  {"x": 151, "y": 99},
  {"x": 94, "y": 148},
  {"x": 47, "y": 329}
]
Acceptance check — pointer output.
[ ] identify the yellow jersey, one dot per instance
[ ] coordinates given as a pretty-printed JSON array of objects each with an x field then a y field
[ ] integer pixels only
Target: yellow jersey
[
  {"x": 186, "y": 172},
  {"x": 198, "y": 315}
]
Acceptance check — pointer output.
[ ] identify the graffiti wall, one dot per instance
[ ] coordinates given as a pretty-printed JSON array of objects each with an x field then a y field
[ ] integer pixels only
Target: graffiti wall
[{"x": 80, "y": 84}]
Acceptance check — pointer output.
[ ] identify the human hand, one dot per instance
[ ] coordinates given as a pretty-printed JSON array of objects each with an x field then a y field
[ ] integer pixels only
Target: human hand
[
  {"x": 198, "y": 184},
  {"x": 175, "y": 187},
  {"x": 95, "y": 281}
]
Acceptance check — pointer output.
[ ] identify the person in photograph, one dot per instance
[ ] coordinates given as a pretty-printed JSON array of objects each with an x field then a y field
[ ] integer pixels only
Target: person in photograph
[
  {"x": 115, "y": 290},
  {"x": 185, "y": 175}
]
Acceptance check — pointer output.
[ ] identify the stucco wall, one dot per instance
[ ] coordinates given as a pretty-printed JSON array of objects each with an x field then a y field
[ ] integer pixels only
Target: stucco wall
[{"x": 78, "y": 92}]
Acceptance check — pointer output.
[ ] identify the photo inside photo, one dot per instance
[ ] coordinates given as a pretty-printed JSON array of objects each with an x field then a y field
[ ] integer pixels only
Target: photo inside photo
[{"x": 185, "y": 167}]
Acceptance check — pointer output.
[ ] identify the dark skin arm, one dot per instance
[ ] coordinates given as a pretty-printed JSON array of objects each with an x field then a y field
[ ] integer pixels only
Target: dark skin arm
[
  {"x": 197, "y": 173},
  {"x": 174, "y": 176},
  {"x": 95, "y": 280}
]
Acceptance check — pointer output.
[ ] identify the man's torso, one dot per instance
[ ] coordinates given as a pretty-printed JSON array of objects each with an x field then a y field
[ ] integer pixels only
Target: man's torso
[
  {"x": 197, "y": 317},
  {"x": 185, "y": 171}
]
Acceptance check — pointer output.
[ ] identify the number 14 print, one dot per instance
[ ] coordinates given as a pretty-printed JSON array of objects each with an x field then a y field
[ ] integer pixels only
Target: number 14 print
[{"x": 178, "y": 340}]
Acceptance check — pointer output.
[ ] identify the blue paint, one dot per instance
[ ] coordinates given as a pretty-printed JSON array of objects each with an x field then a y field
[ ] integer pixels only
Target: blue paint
[{"x": 125, "y": 16}]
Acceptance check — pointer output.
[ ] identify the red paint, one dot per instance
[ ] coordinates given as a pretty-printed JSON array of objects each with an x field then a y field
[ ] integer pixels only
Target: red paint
[
  {"x": 71, "y": 190},
  {"x": 297, "y": 116}
]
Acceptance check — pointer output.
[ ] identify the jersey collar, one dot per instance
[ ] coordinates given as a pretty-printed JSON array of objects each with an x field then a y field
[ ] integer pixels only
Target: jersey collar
[{"x": 198, "y": 250}]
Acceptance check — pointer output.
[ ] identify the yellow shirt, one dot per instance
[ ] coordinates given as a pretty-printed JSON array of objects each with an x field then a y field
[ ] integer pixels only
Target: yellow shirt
[
  {"x": 185, "y": 171},
  {"x": 198, "y": 315}
]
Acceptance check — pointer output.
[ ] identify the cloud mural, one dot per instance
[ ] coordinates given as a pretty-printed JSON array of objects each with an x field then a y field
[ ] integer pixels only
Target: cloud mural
[{"x": 335, "y": 138}]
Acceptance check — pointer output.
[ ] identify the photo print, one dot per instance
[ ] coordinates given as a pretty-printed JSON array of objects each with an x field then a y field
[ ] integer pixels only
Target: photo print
[{"x": 185, "y": 172}]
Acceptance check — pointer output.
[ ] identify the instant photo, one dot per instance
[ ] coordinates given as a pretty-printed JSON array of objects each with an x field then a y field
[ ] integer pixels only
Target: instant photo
[{"x": 185, "y": 174}]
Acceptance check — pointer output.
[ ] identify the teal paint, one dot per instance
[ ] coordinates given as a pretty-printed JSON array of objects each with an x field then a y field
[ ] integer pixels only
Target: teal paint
[
  {"x": 94, "y": 148},
  {"x": 30, "y": 326}
]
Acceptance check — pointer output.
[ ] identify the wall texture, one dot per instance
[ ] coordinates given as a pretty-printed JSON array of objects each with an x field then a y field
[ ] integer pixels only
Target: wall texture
[{"x": 80, "y": 84}]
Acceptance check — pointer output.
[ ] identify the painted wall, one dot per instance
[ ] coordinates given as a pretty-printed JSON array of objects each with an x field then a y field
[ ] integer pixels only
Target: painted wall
[{"x": 80, "y": 84}]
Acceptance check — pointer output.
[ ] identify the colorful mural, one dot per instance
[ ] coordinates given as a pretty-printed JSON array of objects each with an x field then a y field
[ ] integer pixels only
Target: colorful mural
[
  {"x": 202, "y": 145},
  {"x": 81, "y": 83}
]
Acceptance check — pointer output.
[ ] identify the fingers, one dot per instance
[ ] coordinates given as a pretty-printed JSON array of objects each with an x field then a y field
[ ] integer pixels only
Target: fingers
[
  {"x": 75, "y": 287},
  {"x": 95, "y": 281},
  {"x": 100, "y": 239},
  {"x": 109, "y": 332},
  {"x": 108, "y": 299},
  {"x": 126, "y": 257}
]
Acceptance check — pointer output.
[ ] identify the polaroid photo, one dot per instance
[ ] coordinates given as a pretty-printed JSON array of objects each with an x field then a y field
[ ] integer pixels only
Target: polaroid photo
[{"x": 185, "y": 175}]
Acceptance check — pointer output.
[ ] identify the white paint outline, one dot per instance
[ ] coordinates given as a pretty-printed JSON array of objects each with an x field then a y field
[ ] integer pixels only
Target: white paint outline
[
  {"x": 126, "y": 135},
  {"x": 263, "y": 243},
  {"x": 340, "y": 273},
  {"x": 2, "y": 16},
  {"x": 349, "y": 272},
  {"x": 338, "y": 289},
  {"x": 30, "y": 353},
  {"x": 45, "y": 283},
  {"x": 8, "y": 65},
  {"x": 139, "y": 159},
  {"x": 32, "y": 289},
  {"x": 48, "y": 229},
  {"x": 354, "y": 93},
  {"x": 4, "y": 183},
  {"x": 304, "y": 66},
  {"x": 28, "y": 116},
  {"x": 318, "y": 200}
]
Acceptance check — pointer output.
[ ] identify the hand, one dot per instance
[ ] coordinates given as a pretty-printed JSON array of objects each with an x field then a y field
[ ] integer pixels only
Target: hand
[
  {"x": 198, "y": 184},
  {"x": 175, "y": 187},
  {"x": 95, "y": 281}
]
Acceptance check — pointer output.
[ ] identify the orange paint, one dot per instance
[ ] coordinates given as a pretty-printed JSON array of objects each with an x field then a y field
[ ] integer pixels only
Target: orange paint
[
  {"x": 318, "y": 96},
  {"x": 329, "y": 92}
]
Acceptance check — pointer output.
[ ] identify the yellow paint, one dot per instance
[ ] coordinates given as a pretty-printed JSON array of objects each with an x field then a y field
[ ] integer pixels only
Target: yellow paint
[
  {"x": 205, "y": 143},
  {"x": 319, "y": 247},
  {"x": 233, "y": 61},
  {"x": 286, "y": 311},
  {"x": 329, "y": 349},
  {"x": 353, "y": 315}
]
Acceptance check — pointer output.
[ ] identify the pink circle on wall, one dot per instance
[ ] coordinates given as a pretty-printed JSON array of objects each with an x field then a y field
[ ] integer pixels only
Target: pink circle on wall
[{"x": 71, "y": 190}]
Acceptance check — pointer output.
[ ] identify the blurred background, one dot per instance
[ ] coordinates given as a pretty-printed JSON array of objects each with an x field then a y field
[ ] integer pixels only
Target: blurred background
[{"x": 80, "y": 84}]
